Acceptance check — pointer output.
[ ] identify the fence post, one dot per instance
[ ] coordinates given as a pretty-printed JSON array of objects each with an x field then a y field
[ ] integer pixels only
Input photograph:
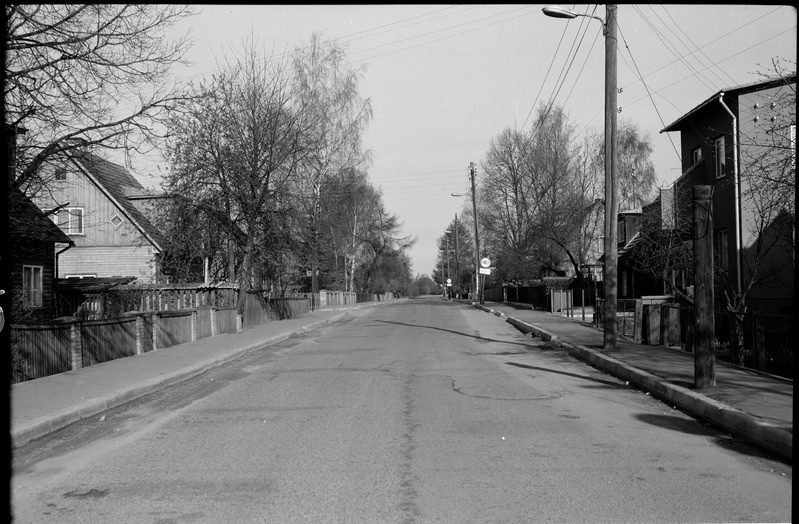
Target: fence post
[
  {"x": 156, "y": 330},
  {"x": 214, "y": 326},
  {"x": 653, "y": 319},
  {"x": 582, "y": 301},
  {"x": 75, "y": 345},
  {"x": 671, "y": 326},
  {"x": 193, "y": 324},
  {"x": 239, "y": 322},
  {"x": 638, "y": 323}
]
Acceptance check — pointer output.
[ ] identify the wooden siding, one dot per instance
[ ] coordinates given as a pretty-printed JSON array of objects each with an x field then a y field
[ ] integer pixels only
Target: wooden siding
[
  {"x": 36, "y": 254},
  {"x": 107, "y": 261},
  {"x": 98, "y": 210},
  {"x": 104, "y": 249}
]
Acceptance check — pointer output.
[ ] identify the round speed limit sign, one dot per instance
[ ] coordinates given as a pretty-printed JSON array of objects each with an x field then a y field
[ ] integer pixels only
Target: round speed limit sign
[{"x": 485, "y": 262}]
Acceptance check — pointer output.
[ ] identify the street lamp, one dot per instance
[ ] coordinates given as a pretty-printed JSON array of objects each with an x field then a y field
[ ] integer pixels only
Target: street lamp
[{"x": 611, "y": 200}]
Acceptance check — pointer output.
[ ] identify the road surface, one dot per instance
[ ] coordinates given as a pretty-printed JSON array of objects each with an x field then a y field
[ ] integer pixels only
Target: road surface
[{"x": 419, "y": 411}]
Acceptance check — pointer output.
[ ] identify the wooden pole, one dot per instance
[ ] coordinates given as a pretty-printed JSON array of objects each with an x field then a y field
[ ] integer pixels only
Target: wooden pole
[
  {"x": 704, "y": 329},
  {"x": 611, "y": 201}
]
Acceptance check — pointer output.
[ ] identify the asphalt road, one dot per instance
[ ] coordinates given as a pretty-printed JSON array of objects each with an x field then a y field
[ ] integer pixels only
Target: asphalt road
[{"x": 421, "y": 411}]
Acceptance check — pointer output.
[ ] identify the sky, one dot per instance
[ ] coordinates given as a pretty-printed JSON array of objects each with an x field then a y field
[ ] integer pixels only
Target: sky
[{"x": 444, "y": 80}]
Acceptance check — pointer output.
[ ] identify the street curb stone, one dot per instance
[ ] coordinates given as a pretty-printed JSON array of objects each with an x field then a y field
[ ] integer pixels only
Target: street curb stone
[{"x": 769, "y": 436}]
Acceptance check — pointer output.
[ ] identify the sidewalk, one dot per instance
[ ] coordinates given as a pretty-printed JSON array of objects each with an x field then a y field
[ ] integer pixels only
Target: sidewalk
[
  {"x": 42, "y": 406},
  {"x": 755, "y": 406}
]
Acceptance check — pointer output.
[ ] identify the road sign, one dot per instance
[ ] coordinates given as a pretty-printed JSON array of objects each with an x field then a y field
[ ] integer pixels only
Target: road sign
[
  {"x": 485, "y": 262},
  {"x": 449, "y": 281},
  {"x": 485, "y": 270}
]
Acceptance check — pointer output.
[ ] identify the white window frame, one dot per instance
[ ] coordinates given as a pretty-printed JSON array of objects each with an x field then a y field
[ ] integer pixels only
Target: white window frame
[
  {"x": 696, "y": 155},
  {"x": 720, "y": 153},
  {"x": 60, "y": 173},
  {"x": 32, "y": 286},
  {"x": 70, "y": 227}
]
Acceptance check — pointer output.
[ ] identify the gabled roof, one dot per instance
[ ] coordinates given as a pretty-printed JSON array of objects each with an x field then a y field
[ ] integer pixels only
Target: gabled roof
[
  {"x": 26, "y": 222},
  {"x": 116, "y": 182},
  {"x": 736, "y": 90}
]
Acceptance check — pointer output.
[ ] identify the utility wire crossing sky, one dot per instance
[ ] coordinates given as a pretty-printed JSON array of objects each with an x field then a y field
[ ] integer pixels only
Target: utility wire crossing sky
[{"x": 446, "y": 79}]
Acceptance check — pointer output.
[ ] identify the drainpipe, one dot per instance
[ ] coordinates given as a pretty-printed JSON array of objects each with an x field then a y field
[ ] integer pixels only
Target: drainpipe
[
  {"x": 737, "y": 191},
  {"x": 55, "y": 270}
]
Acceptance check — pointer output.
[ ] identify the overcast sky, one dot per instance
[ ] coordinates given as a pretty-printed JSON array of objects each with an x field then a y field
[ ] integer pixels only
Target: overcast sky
[{"x": 446, "y": 79}]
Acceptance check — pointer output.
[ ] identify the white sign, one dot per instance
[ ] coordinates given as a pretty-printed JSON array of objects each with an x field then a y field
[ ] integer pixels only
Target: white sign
[
  {"x": 485, "y": 262},
  {"x": 449, "y": 281},
  {"x": 485, "y": 271}
]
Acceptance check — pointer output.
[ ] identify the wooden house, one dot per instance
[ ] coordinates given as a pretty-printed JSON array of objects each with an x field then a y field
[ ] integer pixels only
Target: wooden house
[
  {"x": 36, "y": 244},
  {"x": 100, "y": 206},
  {"x": 741, "y": 141}
]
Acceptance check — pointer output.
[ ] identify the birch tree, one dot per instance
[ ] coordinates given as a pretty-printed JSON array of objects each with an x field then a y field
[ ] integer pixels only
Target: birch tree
[{"x": 328, "y": 88}]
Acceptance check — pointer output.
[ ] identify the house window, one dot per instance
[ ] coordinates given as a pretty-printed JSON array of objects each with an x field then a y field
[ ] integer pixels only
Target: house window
[
  {"x": 720, "y": 153},
  {"x": 60, "y": 173},
  {"x": 696, "y": 155},
  {"x": 32, "y": 286},
  {"x": 722, "y": 254},
  {"x": 72, "y": 222},
  {"x": 621, "y": 232},
  {"x": 116, "y": 220}
]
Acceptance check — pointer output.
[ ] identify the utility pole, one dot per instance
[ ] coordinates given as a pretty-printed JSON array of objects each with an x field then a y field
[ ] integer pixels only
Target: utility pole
[
  {"x": 443, "y": 282},
  {"x": 611, "y": 201},
  {"x": 477, "y": 292},
  {"x": 449, "y": 273},
  {"x": 611, "y": 245},
  {"x": 704, "y": 359},
  {"x": 457, "y": 263}
]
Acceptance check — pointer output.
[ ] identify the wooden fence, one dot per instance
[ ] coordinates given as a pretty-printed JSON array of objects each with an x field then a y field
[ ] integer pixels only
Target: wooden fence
[
  {"x": 47, "y": 349},
  {"x": 176, "y": 315},
  {"x": 768, "y": 340},
  {"x": 113, "y": 302}
]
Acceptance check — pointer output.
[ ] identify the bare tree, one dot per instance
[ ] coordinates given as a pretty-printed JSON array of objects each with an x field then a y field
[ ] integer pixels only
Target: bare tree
[
  {"x": 535, "y": 199},
  {"x": 87, "y": 75},
  {"x": 235, "y": 149}
]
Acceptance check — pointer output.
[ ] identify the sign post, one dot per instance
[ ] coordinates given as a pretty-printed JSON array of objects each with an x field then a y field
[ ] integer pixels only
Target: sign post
[{"x": 484, "y": 270}]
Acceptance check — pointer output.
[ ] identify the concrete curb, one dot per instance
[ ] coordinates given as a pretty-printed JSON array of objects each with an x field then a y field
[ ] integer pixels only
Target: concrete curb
[
  {"x": 753, "y": 429},
  {"x": 46, "y": 425}
]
